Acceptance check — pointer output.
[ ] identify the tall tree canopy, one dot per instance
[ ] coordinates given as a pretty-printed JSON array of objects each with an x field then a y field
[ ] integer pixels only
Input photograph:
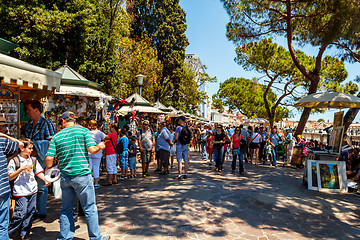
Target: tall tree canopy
[
  {"x": 164, "y": 21},
  {"x": 85, "y": 32},
  {"x": 284, "y": 78},
  {"x": 316, "y": 22},
  {"x": 247, "y": 96}
]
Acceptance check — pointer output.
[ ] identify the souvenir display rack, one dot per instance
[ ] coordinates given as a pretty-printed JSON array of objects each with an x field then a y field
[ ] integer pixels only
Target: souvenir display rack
[{"x": 9, "y": 109}]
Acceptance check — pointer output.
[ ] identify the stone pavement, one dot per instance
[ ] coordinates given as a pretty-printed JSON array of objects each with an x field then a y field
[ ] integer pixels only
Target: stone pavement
[{"x": 266, "y": 203}]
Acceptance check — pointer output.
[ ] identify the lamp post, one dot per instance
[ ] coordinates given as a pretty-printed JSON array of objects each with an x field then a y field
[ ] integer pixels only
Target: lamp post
[{"x": 140, "y": 78}]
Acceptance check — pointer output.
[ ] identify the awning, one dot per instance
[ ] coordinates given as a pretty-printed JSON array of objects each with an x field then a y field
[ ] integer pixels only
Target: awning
[
  {"x": 25, "y": 73},
  {"x": 143, "y": 109},
  {"x": 82, "y": 91}
]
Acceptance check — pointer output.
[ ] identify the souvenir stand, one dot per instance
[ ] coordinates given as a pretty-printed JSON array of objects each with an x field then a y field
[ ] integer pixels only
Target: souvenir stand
[
  {"x": 136, "y": 110},
  {"x": 79, "y": 95},
  {"x": 323, "y": 169},
  {"x": 21, "y": 81}
]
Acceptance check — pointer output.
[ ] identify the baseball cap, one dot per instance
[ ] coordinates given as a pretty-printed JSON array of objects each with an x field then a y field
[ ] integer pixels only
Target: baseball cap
[
  {"x": 68, "y": 114},
  {"x": 146, "y": 122}
]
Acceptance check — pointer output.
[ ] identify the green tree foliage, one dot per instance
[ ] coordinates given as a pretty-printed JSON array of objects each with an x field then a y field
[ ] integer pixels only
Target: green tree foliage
[
  {"x": 247, "y": 96},
  {"x": 137, "y": 57},
  {"x": 319, "y": 23},
  {"x": 284, "y": 78},
  {"x": 85, "y": 32},
  {"x": 164, "y": 22}
]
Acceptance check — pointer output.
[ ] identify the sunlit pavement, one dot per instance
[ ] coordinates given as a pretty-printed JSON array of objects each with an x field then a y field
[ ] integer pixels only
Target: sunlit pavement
[{"x": 266, "y": 203}]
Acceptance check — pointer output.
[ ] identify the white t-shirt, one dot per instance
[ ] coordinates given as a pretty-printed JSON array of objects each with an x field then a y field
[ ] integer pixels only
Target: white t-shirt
[
  {"x": 255, "y": 137},
  {"x": 98, "y": 136},
  {"x": 25, "y": 184}
]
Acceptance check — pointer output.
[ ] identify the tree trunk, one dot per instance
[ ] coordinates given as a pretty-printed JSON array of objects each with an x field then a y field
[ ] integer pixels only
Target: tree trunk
[{"x": 349, "y": 117}]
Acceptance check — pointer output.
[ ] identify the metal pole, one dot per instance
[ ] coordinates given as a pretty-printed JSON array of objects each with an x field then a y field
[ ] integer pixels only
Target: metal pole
[{"x": 140, "y": 90}]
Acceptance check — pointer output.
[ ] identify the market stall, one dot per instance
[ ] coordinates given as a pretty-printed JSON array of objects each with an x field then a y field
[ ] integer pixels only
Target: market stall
[
  {"x": 324, "y": 171},
  {"x": 21, "y": 81},
  {"x": 79, "y": 95}
]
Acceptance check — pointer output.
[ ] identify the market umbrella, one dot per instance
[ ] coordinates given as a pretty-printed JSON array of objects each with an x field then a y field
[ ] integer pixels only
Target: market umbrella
[
  {"x": 257, "y": 120},
  {"x": 329, "y": 100}
]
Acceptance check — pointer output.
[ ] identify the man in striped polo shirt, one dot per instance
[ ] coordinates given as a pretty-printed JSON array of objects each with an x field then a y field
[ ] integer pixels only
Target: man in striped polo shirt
[{"x": 72, "y": 145}]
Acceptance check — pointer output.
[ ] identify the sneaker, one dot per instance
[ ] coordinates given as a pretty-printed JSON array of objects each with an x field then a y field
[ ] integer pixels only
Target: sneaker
[
  {"x": 157, "y": 171},
  {"x": 122, "y": 177},
  {"x": 144, "y": 175},
  {"x": 131, "y": 176},
  {"x": 134, "y": 176},
  {"x": 97, "y": 186},
  {"x": 106, "y": 238},
  {"x": 147, "y": 174},
  {"x": 184, "y": 176},
  {"x": 178, "y": 177}
]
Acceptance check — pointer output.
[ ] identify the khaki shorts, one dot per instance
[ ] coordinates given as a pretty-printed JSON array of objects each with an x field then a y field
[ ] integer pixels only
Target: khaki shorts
[{"x": 146, "y": 156}]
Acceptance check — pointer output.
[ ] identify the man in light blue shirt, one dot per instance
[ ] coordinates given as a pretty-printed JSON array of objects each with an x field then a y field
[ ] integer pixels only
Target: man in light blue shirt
[{"x": 164, "y": 144}]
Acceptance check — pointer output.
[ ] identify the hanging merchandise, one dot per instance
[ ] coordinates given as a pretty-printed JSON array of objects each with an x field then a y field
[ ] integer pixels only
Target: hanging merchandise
[{"x": 9, "y": 110}]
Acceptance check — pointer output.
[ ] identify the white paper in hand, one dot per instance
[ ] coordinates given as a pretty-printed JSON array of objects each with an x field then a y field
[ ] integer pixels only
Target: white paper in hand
[{"x": 53, "y": 174}]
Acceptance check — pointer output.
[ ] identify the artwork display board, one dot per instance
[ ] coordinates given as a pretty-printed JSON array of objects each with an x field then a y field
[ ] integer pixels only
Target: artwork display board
[
  {"x": 338, "y": 134},
  {"x": 326, "y": 176}
]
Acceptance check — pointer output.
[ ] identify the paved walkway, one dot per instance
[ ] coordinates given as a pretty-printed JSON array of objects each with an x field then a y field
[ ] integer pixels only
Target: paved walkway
[{"x": 266, "y": 203}]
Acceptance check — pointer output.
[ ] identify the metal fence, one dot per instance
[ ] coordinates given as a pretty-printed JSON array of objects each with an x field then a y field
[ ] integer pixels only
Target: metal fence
[{"x": 322, "y": 137}]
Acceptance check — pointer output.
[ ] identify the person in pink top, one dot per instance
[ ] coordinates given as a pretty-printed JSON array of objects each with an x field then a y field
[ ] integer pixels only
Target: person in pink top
[
  {"x": 209, "y": 147},
  {"x": 111, "y": 156},
  {"x": 237, "y": 150}
]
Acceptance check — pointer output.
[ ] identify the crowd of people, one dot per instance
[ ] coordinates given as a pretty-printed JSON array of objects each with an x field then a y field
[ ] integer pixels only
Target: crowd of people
[{"x": 25, "y": 161}]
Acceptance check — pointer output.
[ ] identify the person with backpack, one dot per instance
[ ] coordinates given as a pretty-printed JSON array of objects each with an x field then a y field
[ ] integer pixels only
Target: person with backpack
[
  {"x": 146, "y": 142},
  {"x": 22, "y": 170},
  {"x": 182, "y": 138},
  {"x": 111, "y": 157}
]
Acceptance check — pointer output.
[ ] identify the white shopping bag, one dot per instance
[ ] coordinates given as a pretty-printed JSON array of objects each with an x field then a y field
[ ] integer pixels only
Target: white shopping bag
[{"x": 57, "y": 189}]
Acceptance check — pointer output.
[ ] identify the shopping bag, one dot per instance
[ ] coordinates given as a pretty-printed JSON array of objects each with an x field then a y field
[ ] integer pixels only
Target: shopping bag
[{"x": 57, "y": 189}]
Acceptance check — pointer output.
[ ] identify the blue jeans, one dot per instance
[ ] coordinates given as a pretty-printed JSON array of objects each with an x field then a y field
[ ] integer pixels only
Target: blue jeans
[
  {"x": 42, "y": 194},
  {"x": 218, "y": 151},
  {"x": 237, "y": 153},
  {"x": 4, "y": 216},
  {"x": 274, "y": 151},
  {"x": 203, "y": 150},
  {"x": 182, "y": 152},
  {"x": 24, "y": 211},
  {"x": 81, "y": 187}
]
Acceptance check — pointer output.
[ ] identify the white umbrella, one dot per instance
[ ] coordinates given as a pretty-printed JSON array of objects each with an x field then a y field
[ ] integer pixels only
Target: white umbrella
[
  {"x": 257, "y": 120},
  {"x": 329, "y": 100}
]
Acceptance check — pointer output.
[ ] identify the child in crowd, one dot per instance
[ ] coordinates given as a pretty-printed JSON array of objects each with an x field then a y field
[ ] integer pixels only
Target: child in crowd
[
  {"x": 268, "y": 150},
  {"x": 22, "y": 170},
  {"x": 132, "y": 156},
  {"x": 124, "y": 156}
]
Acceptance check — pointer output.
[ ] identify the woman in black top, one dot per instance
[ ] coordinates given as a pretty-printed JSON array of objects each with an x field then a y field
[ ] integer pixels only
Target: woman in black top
[{"x": 218, "y": 142}]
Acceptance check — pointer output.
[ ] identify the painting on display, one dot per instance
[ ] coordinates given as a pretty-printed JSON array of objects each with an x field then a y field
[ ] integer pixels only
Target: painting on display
[
  {"x": 338, "y": 134},
  {"x": 331, "y": 176},
  {"x": 312, "y": 175}
]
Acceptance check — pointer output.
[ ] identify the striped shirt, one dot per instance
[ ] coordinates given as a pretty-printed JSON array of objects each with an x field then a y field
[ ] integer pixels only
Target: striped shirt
[
  {"x": 7, "y": 147},
  {"x": 70, "y": 144},
  {"x": 44, "y": 129}
]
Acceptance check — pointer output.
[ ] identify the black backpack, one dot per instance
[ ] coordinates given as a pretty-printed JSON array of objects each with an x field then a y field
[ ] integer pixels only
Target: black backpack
[
  {"x": 185, "y": 135},
  {"x": 119, "y": 148}
]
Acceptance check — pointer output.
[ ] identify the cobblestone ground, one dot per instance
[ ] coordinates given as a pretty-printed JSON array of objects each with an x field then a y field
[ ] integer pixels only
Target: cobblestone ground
[{"x": 266, "y": 203}]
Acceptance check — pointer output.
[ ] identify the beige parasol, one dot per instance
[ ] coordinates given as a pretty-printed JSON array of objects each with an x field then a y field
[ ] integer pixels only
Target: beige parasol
[{"x": 329, "y": 100}]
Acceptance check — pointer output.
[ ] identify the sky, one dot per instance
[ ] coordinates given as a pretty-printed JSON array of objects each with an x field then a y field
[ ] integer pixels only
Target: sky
[{"x": 206, "y": 31}]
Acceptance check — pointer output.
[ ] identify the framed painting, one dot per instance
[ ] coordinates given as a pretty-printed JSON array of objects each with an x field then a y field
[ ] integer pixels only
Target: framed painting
[
  {"x": 331, "y": 176},
  {"x": 338, "y": 133},
  {"x": 338, "y": 119},
  {"x": 312, "y": 175}
]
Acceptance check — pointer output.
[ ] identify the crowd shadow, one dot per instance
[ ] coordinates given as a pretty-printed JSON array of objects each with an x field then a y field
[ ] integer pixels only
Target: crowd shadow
[{"x": 207, "y": 203}]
